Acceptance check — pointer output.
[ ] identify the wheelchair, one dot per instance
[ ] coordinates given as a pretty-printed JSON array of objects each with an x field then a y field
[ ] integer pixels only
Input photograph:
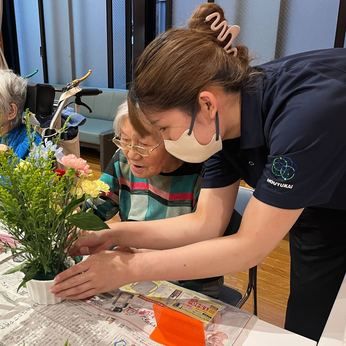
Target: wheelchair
[{"x": 54, "y": 118}]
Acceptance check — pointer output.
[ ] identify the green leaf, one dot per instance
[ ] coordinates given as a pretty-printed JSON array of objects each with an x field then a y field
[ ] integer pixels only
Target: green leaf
[
  {"x": 87, "y": 221},
  {"x": 30, "y": 272},
  {"x": 72, "y": 205},
  {"x": 15, "y": 269}
]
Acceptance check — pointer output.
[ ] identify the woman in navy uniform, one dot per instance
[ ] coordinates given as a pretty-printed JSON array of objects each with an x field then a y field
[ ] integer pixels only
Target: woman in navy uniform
[{"x": 280, "y": 126}]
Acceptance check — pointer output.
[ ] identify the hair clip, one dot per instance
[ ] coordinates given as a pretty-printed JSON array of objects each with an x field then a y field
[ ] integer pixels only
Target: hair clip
[{"x": 226, "y": 30}]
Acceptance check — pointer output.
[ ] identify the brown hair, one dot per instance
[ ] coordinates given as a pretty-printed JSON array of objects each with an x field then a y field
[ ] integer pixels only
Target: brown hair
[{"x": 179, "y": 63}]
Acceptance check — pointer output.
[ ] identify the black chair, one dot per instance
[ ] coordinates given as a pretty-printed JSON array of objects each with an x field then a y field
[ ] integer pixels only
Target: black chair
[{"x": 231, "y": 295}]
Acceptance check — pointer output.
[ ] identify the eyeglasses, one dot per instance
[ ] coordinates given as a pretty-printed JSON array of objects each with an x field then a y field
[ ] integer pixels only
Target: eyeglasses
[{"x": 124, "y": 145}]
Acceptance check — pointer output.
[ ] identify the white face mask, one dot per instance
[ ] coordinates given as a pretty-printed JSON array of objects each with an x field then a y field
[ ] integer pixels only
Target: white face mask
[{"x": 187, "y": 148}]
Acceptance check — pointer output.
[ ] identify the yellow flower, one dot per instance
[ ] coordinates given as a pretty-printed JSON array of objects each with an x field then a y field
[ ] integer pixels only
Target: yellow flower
[
  {"x": 91, "y": 188},
  {"x": 22, "y": 166}
]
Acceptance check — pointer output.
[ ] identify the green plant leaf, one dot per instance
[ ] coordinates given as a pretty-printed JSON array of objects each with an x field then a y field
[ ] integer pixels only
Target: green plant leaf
[
  {"x": 72, "y": 205},
  {"x": 88, "y": 221},
  {"x": 30, "y": 272},
  {"x": 15, "y": 269}
]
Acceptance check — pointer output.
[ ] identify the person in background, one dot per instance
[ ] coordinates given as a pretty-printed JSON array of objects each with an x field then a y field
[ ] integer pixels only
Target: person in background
[
  {"x": 147, "y": 183},
  {"x": 279, "y": 126},
  {"x": 13, "y": 132}
]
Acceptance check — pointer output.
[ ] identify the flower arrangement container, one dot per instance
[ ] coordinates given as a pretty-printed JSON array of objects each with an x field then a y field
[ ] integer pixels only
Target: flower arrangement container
[{"x": 39, "y": 292}]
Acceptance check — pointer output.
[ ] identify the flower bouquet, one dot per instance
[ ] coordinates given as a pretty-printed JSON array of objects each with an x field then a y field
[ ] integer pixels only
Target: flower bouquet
[{"x": 42, "y": 207}]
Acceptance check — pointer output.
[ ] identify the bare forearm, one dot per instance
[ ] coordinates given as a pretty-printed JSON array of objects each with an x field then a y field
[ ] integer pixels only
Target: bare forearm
[
  {"x": 259, "y": 234},
  {"x": 208, "y": 221},
  {"x": 200, "y": 260},
  {"x": 164, "y": 234}
]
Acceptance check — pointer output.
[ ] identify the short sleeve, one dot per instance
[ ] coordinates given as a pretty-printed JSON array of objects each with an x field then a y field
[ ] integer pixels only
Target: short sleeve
[
  {"x": 222, "y": 169},
  {"x": 307, "y": 159}
]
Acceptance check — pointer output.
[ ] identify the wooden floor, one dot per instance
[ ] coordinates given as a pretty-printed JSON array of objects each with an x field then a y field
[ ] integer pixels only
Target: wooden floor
[
  {"x": 272, "y": 286},
  {"x": 272, "y": 279}
]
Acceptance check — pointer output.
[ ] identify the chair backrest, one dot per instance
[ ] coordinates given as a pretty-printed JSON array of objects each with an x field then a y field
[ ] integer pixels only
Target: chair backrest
[{"x": 243, "y": 197}]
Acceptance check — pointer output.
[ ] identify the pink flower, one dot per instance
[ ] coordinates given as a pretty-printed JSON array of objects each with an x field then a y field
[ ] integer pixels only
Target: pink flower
[
  {"x": 76, "y": 163},
  {"x": 7, "y": 240}
]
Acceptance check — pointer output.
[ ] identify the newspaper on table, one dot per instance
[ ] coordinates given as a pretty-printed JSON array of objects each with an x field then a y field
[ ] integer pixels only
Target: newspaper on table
[{"x": 121, "y": 317}]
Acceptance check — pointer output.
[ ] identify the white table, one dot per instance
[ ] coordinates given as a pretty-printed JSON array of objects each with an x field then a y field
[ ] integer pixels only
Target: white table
[
  {"x": 334, "y": 333},
  {"x": 258, "y": 332}
]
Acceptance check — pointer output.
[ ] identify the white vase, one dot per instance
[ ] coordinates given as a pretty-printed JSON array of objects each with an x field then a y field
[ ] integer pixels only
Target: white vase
[{"x": 39, "y": 292}]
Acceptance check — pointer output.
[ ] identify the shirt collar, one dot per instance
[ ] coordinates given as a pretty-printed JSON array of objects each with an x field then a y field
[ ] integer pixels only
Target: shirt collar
[{"x": 251, "y": 116}]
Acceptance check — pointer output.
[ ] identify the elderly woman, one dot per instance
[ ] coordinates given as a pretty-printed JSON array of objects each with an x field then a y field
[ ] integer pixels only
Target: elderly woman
[
  {"x": 13, "y": 132},
  {"x": 147, "y": 183}
]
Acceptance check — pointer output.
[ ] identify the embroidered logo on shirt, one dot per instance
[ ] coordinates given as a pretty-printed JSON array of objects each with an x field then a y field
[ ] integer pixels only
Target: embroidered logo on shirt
[
  {"x": 283, "y": 171},
  {"x": 283, "y": 168},
  {"x": 283, "y": 185}
]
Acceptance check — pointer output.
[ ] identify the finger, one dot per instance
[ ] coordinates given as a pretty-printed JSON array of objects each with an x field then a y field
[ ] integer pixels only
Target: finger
[
  {"x": 125, "y": 249},
  {"x": 97, "y": 249},
  {"x": 84, "y": 244},
  {"x": 74, "y": 234},
  {"x": 73, "y": 282},
  {"x": 75, "y": 291},
  {"x": 78, "y": 247},
  {"x": 71, "y": 272},
  {"x": 84, "y": 250},
  {"x": 74, "y": 252},
  {"x": 79, "y": 250},
  {"x": 84, "y": 295}
]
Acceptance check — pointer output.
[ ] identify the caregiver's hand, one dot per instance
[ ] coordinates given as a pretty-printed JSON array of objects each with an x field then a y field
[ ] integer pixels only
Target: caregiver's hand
[
  {"x": 90, "y": 242},
  {"x": 101, "y": 272}
]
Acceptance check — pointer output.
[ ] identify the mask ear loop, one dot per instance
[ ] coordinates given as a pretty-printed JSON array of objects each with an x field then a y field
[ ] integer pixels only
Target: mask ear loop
[
  {"x": 192, "y": 123},
  {"x": 217, "y": 125}
]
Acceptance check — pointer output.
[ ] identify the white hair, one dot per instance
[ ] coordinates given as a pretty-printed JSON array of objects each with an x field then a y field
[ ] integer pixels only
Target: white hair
[
  {"x": 121, "y": 115},
  {"x": 12, "y": 90}
]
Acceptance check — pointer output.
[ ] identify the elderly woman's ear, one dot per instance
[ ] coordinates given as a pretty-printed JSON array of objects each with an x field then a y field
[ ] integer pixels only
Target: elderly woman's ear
[{"x": 13, "y": 112}]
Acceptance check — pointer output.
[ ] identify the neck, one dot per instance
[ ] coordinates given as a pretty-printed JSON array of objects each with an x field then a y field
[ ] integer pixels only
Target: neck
[
  {"x": 229, "y": 113},
  {"x": 171, "y": 164},
  {"x": 5, "y": 129}
]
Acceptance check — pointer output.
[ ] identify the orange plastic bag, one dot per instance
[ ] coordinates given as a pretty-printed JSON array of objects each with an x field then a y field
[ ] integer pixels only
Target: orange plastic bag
[{"x": 176, "y": 329}]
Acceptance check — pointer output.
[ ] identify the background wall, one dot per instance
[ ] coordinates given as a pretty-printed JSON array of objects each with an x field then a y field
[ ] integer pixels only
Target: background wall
[
  {"x": 306, "y": 25},
  {"x": 89, "y": 42},
  {"x": 270, "y": 28},
  {"x": 28, "y": 35}
]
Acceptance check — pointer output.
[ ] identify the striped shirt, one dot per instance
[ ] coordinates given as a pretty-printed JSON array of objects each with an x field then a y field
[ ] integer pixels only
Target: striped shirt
[{"x": 162, "y": 196}]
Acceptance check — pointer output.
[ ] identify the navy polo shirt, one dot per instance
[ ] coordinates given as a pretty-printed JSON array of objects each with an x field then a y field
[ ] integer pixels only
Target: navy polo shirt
[{"x": 292, "y": 148}]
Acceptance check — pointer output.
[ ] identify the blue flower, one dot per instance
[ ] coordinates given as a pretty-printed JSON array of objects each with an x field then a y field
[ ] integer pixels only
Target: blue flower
[{"x": 45, "y": 151}]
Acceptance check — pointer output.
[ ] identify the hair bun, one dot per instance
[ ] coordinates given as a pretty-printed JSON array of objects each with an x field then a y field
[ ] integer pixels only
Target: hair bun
[
  {"x": 197, "y": 19},
  {"x": 210, "y": 20}
]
